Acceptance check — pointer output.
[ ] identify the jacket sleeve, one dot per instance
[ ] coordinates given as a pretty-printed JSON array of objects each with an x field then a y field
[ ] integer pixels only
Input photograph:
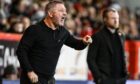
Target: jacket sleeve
[
  {"x": 75, "y": 43},
  {"x": 92, "y": 57},
  {"x": 24, "y": 47},
  {"x": 122, "y": 38}
]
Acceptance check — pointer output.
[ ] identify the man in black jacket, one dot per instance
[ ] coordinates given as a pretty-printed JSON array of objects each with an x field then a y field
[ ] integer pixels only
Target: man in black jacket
[
  {"x": 39, "y": 48},
  {"x": 106, "y": 54}
]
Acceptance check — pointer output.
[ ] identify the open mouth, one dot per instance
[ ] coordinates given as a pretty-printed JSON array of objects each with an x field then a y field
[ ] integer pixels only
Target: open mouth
[{"x": 63, "y": 18}]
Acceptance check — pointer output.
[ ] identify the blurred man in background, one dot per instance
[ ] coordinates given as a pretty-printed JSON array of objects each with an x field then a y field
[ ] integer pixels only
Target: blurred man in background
[
  {"x": 106, "y": 54},
  {"x": 39, "y": 48},
  {"x": 10, "y": 73}
]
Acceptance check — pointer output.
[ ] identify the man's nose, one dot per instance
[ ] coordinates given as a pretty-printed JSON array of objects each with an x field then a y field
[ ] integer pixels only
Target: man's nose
[{"x": 65, "y": 13}]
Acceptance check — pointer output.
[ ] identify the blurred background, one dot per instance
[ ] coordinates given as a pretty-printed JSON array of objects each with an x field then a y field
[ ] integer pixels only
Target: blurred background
[{"x": 84, "y": 18}]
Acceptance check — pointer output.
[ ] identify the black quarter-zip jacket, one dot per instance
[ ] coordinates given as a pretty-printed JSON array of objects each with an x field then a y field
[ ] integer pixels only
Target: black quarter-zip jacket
[{"x": 40, "y": 46}]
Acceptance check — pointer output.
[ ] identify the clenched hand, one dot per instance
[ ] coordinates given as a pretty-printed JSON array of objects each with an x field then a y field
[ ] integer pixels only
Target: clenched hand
[{"x": 32, "y": 76}]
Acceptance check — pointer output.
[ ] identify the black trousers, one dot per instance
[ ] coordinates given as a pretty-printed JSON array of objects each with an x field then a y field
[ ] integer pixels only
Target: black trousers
[
  {"x": 112, "y": 81},
  {"x": 41, "y": 80}
]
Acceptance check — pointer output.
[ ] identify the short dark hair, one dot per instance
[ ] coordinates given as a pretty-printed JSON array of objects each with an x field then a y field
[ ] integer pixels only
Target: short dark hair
[
  {"x": 107, "y": 10},
  {"x": 52, "y": 3}
]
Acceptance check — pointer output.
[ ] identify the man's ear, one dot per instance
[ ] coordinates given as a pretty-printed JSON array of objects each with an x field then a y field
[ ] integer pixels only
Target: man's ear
[
  {"x": 104, "y": 19},
  {"x": 50, "y": 14}
]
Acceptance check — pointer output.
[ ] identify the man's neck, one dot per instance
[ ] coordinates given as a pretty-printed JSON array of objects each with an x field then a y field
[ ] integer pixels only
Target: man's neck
[
  {"x": 111, "y": 30},
  {"x": 49, "y": 23}
]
